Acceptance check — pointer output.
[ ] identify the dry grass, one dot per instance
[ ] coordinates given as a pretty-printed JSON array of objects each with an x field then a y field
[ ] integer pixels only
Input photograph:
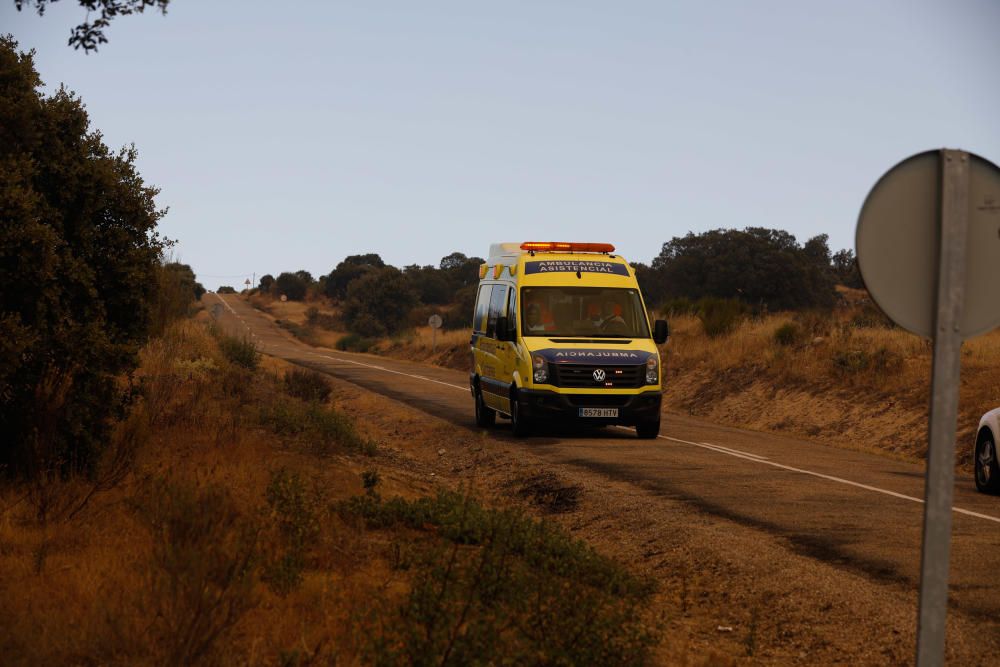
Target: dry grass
[{"x": 221, "y": 543}]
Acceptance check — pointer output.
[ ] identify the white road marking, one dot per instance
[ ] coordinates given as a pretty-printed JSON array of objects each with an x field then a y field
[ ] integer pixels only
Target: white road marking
[
  {"x": 831, "y": 478},
  {"x": 727, "y": 450},
  {"x": 389, "y": 370},
  {"x": 747, "y": 456}
]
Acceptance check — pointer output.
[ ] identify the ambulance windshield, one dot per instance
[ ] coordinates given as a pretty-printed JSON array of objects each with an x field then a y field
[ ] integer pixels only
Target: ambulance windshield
[{"x": 582, "y": 311}]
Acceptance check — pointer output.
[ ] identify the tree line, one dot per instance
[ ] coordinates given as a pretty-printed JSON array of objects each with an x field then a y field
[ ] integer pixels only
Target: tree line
[
  {"x": 764, "y": 269},
  {"x": 377, "y": 299}
]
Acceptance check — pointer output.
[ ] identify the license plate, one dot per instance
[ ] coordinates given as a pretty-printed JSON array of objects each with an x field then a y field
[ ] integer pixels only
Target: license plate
[{"x": 598, "y": 412}]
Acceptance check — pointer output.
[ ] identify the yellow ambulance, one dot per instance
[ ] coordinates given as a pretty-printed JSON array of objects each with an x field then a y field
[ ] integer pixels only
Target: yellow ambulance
[{"x": 560, "y": 332}]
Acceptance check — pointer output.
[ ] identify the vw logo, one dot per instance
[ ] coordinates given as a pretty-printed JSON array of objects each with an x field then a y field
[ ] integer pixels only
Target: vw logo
[{"x": 599, "y": 375}]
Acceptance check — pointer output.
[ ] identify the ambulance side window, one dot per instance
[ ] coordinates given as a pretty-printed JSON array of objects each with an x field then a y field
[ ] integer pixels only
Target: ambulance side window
[
  {"x": 512, "y": 310},
  {"x": 497, "y": 303},
  {"x": 482, "y": 306}
]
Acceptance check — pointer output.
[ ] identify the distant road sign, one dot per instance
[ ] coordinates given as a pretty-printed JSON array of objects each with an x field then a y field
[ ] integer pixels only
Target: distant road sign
[
  {"x": 435, "y": 321},
  {"x": 284, "y": 298},
  {"x": 898, "y": 243}
]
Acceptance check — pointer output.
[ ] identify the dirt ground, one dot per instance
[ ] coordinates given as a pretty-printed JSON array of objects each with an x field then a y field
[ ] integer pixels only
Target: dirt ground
[{"x": 729, "y": 593}]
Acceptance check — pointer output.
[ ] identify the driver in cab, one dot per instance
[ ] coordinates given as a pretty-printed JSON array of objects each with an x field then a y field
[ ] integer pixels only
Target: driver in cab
[{"x": 613, "y": 321}]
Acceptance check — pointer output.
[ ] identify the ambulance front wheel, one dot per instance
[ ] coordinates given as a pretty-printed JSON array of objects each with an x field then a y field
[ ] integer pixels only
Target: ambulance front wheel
[
  {"x": 648, "y": 430},
  {"x": 485, "y": 417},
  {"x": 519, "y": 424}
]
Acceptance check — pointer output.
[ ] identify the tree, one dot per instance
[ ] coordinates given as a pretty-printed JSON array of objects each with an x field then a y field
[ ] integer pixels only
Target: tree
[
  {"x": 79, "y": 256},
  {"x": 349, "y": 270},
  {"x": 757, "y": 266},
  {"x": 306, "y": 277},
  {"x": 266, "y": 281},
  {"x": 89, "y": 34},
  {"x": 430, "y": 284},
  {"x": 453, "y": 261},
  {"x": 226, "y": 289},
  {"x": 845, "y": 269},
  {"x": 379, "y": 302},
  {"x": 461, "y": 271},
  {"x": 291, "y": 285},
  {"x": 176, "y": 290}
]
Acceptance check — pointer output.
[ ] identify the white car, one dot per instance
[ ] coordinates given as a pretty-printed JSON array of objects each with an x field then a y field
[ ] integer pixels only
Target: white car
[{"x": 985, "y": 457}]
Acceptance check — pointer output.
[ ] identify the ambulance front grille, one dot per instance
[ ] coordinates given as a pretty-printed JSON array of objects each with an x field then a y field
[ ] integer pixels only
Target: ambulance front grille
[{"x": 581, "y": 376}]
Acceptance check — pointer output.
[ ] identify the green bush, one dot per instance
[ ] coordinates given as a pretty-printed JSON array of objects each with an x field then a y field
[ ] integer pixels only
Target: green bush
[
  {"x": 856, "y": 361},
  {"x": 870, "y": 316},
  {"x": 240, "y": 351},
  {"x": 295, "y": 511},
  {"x": 788, "y": 334},
  {"x": 354, "y": 343},
  {"x": 318, "y": 428},
  {"x": 720, "y": 316},
  {"x": 303, "y": 333},
  {"x": 202, "y": 571},
  {"x": 519, "y": 590},
  {"x": 307, "y": 385},
  {"x": 679, "y": 306},
  {"x": 378, "y": 302}
]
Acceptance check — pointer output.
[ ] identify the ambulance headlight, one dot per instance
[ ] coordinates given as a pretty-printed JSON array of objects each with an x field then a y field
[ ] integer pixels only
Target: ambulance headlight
[
  {"x": 540, "y": 368},
  {"x": 652, "y": 370}
]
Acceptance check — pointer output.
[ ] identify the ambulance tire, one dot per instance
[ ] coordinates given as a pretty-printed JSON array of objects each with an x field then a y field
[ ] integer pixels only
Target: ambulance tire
[
  {"x": 648, "y": 430},
  {"x": 519, "y": 424},
  {"x": 485, "y": 416}
]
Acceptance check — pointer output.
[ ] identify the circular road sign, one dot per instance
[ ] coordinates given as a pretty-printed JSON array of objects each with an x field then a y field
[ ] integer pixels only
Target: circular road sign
[
  {"x": 898, "y": 244},
  {"x": 284, "y": 298},
  {"x": 434, "y": 321}
]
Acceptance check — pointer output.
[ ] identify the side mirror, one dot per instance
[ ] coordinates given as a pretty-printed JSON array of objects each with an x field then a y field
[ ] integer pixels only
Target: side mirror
[
  {"x": 503, "y": 330},
  {"x": 661, "y": 332}
]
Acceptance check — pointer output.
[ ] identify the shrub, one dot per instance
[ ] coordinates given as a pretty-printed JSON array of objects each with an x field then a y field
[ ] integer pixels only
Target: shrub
[
  {"x": 527, "y": 593},
  {"x": 240, "y": 351},
  {"x": 679, "y": 306},
  {"x": 202, "y": 571},
  {"x": 856, "y": 361},
  {"x": 318, "y": 428},
  {"x": 378, "y": 302},
  {"x": 226, "y": 289},
  {"x": 291, "y": 285},
  {"x": 787, "y": 334},
  {"x": 870, "y": 316},
  {"x": 295, "y": 514},
  {"x": 303, "y": 333},
  {"x": 354, "y": 343},
  {"x": 720, "y": 316},
  {"x": 459, "y": 316},
  {"x": 307, "y": 385}
]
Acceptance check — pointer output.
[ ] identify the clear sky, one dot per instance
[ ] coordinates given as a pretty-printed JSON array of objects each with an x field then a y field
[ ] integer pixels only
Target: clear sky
[{"x": 285, "y": 136}]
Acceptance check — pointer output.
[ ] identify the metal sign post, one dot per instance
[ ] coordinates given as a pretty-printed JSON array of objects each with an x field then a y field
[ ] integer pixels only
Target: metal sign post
[
  {"x": 928, "y": 244},
  {"x": 940, "y": 485},
  {"x": 435, "y": 323}
]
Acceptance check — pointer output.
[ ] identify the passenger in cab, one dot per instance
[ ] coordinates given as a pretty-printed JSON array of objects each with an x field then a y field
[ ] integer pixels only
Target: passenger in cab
[{"x": 533, "y": 318}]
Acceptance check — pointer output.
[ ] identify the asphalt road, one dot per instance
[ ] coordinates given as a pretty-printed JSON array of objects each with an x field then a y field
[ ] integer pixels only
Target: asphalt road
[{"x": 858, "y": 511}]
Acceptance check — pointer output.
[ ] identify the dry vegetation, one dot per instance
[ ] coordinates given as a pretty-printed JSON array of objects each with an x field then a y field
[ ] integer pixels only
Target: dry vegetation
[{"x": 240, "y": 517}]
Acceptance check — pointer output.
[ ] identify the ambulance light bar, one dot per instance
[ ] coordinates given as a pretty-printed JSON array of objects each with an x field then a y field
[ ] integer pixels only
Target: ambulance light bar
[{"x": 558, "y": 246}]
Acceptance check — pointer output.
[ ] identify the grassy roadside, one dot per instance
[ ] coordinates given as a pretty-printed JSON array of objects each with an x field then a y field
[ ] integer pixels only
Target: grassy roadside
[
  {"x": 242, "y": 517},
  {"x": 845, "y": 377}
]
